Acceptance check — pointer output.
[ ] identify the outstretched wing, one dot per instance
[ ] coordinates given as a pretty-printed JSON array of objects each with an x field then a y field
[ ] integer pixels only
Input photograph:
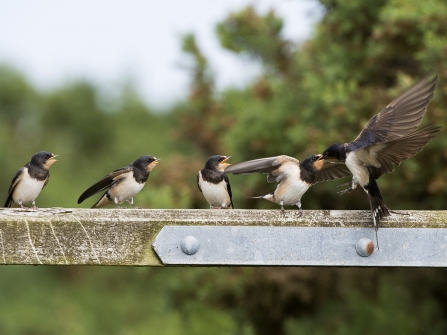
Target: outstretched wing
[
  {"x": 15, "y": 181},
  {"x": 402, "y": 116},
  {"x": 261, "y": 165},
  {"x": 276, "y": 167},
  {"x": 384, "y": 155},
  {"x": 328, "y": 170},
  {"x": 104, "y": 183}
]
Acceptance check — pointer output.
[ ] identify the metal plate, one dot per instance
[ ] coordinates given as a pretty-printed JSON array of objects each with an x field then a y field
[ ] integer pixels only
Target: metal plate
[{"x": 299, "y": 246}]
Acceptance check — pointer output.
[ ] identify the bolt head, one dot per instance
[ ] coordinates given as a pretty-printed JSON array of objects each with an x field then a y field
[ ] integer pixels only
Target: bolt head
[
  {"x": 364, "y": 247},
  {"x": 190, "y": 245}
]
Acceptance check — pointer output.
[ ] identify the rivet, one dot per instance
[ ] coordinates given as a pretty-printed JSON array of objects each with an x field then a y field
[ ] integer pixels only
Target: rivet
[
  {"x": 364, "y": 247},
  {"x": 190, "y": 245}
]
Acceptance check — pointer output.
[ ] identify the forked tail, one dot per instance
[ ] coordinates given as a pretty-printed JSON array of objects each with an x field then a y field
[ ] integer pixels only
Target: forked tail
[{"x": 378, "y": 207}]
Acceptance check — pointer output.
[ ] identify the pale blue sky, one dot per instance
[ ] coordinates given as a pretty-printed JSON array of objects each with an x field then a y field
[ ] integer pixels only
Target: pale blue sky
[{"x": 110, "y": 41}]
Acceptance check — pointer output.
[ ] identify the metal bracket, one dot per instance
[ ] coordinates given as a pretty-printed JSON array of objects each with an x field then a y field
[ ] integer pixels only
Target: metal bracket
[{"x": 301, "y": 246}]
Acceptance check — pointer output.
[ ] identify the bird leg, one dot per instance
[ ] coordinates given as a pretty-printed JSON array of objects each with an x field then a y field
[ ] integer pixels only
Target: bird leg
[
  {"x": 24, "y": 207},
  {"x": 300, "y": 211},
  {"x": 115, "y": 200},
  {"x": 131, "y": 202},
  {"x": 347, "y": 190},
  {"x": 34, "y": 205},
  {"x": 283, "y": 212},
  {"x": 351, "y": 186}
]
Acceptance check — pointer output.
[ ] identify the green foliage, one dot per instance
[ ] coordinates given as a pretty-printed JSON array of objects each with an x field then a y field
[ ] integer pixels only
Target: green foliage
[
  {"x": 393, "y": 310},
  {"x": 247, "y": 32}
]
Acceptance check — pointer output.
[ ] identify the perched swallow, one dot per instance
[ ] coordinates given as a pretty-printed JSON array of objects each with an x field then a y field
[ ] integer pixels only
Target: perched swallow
[
  {"x": 388, "y": 138},
  {"x": 214, "y": 184},
  {"x": 122, "y": 184},
  {"x": 30, "y": 180},
  {"x": 294, "y": 177}
]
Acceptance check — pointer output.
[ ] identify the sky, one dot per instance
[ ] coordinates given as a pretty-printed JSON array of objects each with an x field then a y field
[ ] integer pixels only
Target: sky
[{"x": 111, "y": 42}]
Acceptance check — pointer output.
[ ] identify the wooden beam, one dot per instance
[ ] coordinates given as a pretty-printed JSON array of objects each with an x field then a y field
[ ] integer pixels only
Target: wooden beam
[{"x": 59, "y": 236}]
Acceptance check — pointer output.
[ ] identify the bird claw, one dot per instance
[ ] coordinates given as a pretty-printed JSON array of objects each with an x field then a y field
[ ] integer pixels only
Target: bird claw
[
  {"x": 283, "y": 212},
  {"x": 299, "y": 213},
  {"x": 345, "y": 184},
  {"x": 348, "y": 190}
]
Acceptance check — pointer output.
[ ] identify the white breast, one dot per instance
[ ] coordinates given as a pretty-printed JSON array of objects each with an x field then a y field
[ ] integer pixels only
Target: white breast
[
  {"x": 357, "y": 167},
  {"x": 292, "y": 188},
  {"x": 27, "y": 189},
  {"x": 290, "y": 191},
  {"x": 126, "y": 189},
  {"x": 216, "y": 194}
]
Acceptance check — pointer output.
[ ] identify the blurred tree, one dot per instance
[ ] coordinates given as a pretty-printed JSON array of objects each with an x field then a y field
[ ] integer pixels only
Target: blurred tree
[
  {"x": 73, "y": 114},
  {"x": 202, "y": 118},
  {"x": 258, "y": 36}
]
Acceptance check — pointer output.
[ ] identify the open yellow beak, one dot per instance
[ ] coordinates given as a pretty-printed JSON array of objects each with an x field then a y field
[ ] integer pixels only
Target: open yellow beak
[{"x": 224, "y": 164}]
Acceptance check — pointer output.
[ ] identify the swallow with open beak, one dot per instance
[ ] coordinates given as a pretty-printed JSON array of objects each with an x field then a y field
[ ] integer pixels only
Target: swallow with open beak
[
  {"x": 214, "y": 184},
  {"x": 388, "y": 138},
  {"x": 122, "y": 184},
  {"x": 294, "y": 177},
  {"x": 30, "y": 180}
]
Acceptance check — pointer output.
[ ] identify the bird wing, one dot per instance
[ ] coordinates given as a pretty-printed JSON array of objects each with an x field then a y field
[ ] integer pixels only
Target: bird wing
[
  {"x": 275, "y": 167},
  {"x": 381, "y": 157},
  {"x": 15, "y": 181},
  {"x": 262, "y": 165},
  {"x": 47, "y": 179},
  {"x": 328, "y": 170},
  {"x": 198, "y": 181},
  {"x": 227, "y": 183},
  {"x": 289, "y": 167},
  {"x": 403, "y": 115},
  {"x": 104, "y": 183}
]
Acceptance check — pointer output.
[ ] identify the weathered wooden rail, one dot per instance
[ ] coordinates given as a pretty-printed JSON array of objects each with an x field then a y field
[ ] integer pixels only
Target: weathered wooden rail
[{"x": 59, "y": 236}]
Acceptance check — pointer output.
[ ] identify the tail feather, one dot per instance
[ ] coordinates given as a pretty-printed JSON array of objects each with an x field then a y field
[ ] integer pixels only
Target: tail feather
[
  {"x": 103, "y": 201},
  {"x": 269, "y": 197},
  {"x": 378, "y": 208},
  {"x": 8, "y": 201}
]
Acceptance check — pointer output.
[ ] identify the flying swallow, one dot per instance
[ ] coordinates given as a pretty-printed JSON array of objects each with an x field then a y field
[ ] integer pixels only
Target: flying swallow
[
  {"x": 214, "y": 184},
  {"x": 388, "y": 138},
  {"x": 30, "y": 180},
  {"x": 294, "y": 177},
  {"x": 122, "y": 184}
]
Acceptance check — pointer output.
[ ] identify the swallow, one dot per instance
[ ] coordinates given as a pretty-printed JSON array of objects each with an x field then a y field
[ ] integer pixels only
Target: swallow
[
  {"x": 294, "y": 177},
  {"x": 388, "y": 138},
  {"x": 214, "y": 184},
  {"x": 30, "y": 180},
  {"x": 122, "y": 184}
]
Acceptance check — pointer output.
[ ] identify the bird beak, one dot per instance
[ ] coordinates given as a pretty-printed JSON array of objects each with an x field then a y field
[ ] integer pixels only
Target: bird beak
[
  {"x": 50, "y": 161},
  {"x": 152, "y": 164},
  {"x": 320, "y": 157},
  {"x": 224, "y": 164}
]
